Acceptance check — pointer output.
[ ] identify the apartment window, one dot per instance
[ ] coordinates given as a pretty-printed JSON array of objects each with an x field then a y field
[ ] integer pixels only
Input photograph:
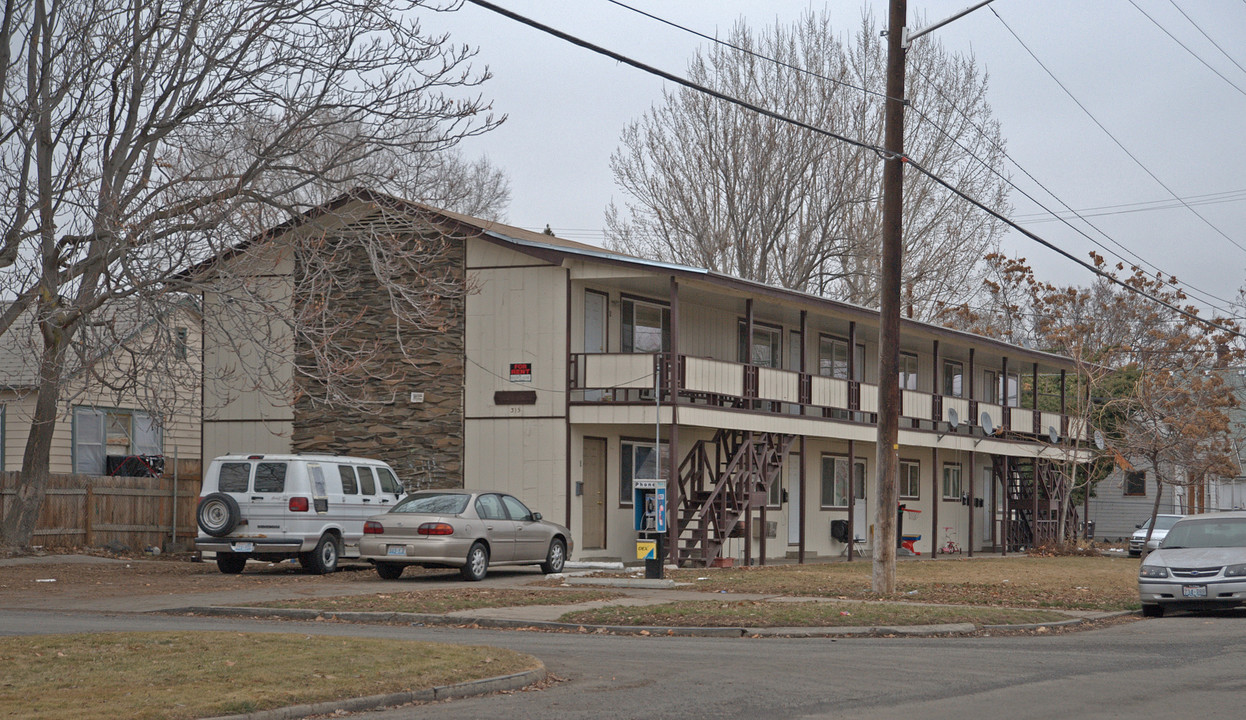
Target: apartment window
[
  {"x": 1135, "y": 483},
  {"x": 1012, "y": 394},
  {"x": 908, "y": 371},
  {"x": 990, "y": 387},
  {"x": 951, "y": 481},
  {"x": 910, "y": 480},
  {"x": 99, "y": 433},
  {"x": 835, "y": 481},
  {"x": 766, "y": 339},
  {"x": 953, "y": 378},
  {"x": 646, "y": 326},
  {"x": 640, "y": 461},
  {"x": 833, "y": 357}
]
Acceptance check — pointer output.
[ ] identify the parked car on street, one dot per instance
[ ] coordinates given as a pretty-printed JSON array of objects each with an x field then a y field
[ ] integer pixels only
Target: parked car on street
[
  {"x": 274, "y": 507},
  {"x": 1138, "y": 539},
  {"x": 465, "y": 529},
  {"x": 1201, "y": 564}
]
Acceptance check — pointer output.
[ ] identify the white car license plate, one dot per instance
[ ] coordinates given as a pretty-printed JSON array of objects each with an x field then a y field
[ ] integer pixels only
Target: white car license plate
[
  {"x": 243, "y": 547},
  {"x": 396, "y": 550},
  {"x": 1194, "y": 590}
]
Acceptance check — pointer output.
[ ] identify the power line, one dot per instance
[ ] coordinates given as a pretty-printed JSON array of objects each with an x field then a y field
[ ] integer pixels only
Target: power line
[
  {"x": 1206, "y": 296},
  {"x": 1185, "y": 47},
  {"x": 1118, "y": 143},
  {"x": 882, "y": 153}
]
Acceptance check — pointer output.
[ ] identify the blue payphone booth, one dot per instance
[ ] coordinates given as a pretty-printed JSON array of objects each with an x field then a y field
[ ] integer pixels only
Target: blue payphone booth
[{"x": 649, "y": 521}]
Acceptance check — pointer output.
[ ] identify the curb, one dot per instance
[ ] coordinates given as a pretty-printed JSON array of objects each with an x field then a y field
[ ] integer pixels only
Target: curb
[
  {"x": 372, "y": 702},
  {"x": 418, "y": 619}
]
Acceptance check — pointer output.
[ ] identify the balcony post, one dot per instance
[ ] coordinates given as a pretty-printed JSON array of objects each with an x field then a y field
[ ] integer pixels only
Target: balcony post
[{"x": 672, "y": 454}]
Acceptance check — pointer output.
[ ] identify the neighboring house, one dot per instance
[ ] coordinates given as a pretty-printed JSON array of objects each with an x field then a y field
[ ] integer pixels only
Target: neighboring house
[
  {"x": 569, "y": 372},
  {"x": 103, "y": 422},
  {"x": 1126, "y": 497}
]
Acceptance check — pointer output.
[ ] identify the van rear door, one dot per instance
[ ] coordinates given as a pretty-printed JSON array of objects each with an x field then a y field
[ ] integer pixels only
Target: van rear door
[{"x": 269, "y": 500}]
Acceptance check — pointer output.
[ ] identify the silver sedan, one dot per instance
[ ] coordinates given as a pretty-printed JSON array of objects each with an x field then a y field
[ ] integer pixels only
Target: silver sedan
[
  {"x": 467, "y": 529},
  {"x": 1201, "y": 564}
]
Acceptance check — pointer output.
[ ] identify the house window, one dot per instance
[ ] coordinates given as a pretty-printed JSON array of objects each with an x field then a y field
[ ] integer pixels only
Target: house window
[
  {"x": 910, "y": 480},
  {"x": 640, "y": 461},
  {"x": 766, "y": 339},
  {"x": 179, "y": 343},
  {"x": 99, "y": 433},
  {"x": 990, "y": 387},
  {"x": 646, "y": 326},
  {"x": 835, "y": 481},
  {"x": 908, "y": 371},
  {"x": 1135, "y": 483},
  {"x": 951, "y": 481},
  {"x": 953, "y": 378}
]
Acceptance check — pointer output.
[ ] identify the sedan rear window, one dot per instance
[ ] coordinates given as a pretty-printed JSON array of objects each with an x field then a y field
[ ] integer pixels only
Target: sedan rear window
[{"x": 438, "y": 503}]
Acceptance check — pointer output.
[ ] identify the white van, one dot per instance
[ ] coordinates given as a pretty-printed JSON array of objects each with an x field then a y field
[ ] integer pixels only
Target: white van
[{"x": 273, "y": 507}]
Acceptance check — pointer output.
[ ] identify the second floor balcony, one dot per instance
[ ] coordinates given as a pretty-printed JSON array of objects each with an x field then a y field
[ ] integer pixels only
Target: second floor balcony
[{"x": 657, "y": 378}]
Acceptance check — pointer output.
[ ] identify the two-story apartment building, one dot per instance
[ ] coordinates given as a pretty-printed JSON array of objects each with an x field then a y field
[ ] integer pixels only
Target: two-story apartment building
[{"x": 566, "y": 373}]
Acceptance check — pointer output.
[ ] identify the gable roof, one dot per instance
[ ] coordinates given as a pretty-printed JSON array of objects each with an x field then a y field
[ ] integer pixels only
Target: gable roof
[{"x": 554, "y": 249}]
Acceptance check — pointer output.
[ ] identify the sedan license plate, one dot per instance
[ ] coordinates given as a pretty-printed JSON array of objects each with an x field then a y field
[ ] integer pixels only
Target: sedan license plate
[
  {"x": 1194, "y": 591},
  {"x": 243, "y": 547},
  {"x": 396, "y": 550}
]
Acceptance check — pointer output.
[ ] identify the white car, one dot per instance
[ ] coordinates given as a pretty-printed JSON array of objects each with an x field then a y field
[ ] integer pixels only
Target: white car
[
  {"x": 1201, "y": 564},
  {"x": 1138, "y": 539},
  {"x": 273, "y": 507}
]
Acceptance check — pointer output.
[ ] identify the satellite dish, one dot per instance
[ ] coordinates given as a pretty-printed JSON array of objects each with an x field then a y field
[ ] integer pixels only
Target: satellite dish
[
  {"x": 1099, "y": 439},
  {"x": 988, "y": 426},
  {"x": 1053, "y": 435},
  {"x": 953, "y": 418}
]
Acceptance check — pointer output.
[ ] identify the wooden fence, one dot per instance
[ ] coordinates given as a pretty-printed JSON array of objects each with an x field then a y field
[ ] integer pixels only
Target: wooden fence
[{"x": 90, "y": 510}]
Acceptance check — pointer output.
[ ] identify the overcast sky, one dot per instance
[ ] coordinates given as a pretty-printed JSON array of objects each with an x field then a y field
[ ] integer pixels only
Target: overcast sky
[{"x": 567, "y": 106}]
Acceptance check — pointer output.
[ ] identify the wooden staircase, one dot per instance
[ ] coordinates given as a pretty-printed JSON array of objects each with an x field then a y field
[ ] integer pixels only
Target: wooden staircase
[
  {"x": 721, "y": 481},
  {"x": 1032, "y": 512}
]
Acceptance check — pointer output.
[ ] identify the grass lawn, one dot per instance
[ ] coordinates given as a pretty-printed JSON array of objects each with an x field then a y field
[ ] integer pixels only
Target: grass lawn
[
  {"x": 761, "y": 613},
  {"x": 1067, "y": 583},
  {"x": 443, "y": 601},
  {"x": 195, "y": 674}
]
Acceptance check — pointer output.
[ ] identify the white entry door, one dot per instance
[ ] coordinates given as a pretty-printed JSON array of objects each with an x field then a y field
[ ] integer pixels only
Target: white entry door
[{"x": 986, "y": 528}]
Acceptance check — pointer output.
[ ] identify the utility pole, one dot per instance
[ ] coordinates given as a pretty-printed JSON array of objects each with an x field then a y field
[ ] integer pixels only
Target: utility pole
[
  {"x": 898, "y": 38},
  {"x": 884, "y": 569}
]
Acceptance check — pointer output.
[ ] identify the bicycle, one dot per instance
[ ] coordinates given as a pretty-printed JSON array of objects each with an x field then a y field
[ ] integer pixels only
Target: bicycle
[{"x": 949, "y": 541}]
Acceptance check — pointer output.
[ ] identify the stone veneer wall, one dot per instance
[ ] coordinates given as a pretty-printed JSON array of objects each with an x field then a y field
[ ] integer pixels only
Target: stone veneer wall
[{"x": 423, "y": 442}]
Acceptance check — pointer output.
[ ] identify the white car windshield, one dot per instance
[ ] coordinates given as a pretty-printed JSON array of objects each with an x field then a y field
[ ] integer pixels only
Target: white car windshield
[{"x": 1206, "y": 534}]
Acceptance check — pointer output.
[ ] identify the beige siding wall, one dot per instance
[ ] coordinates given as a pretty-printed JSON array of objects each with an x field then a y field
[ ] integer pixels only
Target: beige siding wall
[
  {"x": 526, "y": 458},
  {"x": 485, "y": 254},
  {"x": 247, "y": 371},
  {"x": 517, "y": 315}
]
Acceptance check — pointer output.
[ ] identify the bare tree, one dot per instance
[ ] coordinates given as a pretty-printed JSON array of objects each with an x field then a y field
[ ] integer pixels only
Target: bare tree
[
  {"x": 715, "y": 185},
  {"x": 138, "y": 139}
]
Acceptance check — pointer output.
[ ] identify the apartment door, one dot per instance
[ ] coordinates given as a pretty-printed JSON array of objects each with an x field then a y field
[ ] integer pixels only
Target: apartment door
[
  {"x": 594, "y": 331},
  {"x": 986, "y": 490},
  {"x": 593, "y": 505},
  {"x": 793, "y": 498}
]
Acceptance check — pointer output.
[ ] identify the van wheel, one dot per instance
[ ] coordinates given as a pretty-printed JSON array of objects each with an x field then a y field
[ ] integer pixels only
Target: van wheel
[
  {"x": 1153, "y": 611},
  {"x": 218, "y": 514},
  {"x": 556, "y": 558},
  {"x": 230, "y": 563},
  {"x": 389, "y": 571},
  {"x": 322, "y": 560},
  {"x": 477, "y": 563}
]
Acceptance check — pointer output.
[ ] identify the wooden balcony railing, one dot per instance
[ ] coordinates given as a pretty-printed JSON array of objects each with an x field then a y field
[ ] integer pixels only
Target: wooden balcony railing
[{"x": 626, "y": 377}]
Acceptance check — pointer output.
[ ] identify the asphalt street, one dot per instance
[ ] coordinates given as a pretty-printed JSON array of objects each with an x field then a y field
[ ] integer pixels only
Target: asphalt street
[{"x": 1182, "y": 666}]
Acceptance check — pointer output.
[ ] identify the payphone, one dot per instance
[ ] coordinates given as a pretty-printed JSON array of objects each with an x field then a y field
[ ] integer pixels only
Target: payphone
[{"x": 649, "y": 521}]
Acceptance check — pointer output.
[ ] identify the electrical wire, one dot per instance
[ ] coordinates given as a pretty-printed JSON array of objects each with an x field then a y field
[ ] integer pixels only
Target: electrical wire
[
  {"x": 1193, "y": 290},
  {"x": 1118, "y": 143},
  {"x": 1185, "y": 47},
  {"x": 881, "y": 152}
]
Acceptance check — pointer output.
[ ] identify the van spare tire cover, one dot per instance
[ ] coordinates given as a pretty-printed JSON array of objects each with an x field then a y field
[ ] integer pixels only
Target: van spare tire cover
[{"x": 218, "y": 514}]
